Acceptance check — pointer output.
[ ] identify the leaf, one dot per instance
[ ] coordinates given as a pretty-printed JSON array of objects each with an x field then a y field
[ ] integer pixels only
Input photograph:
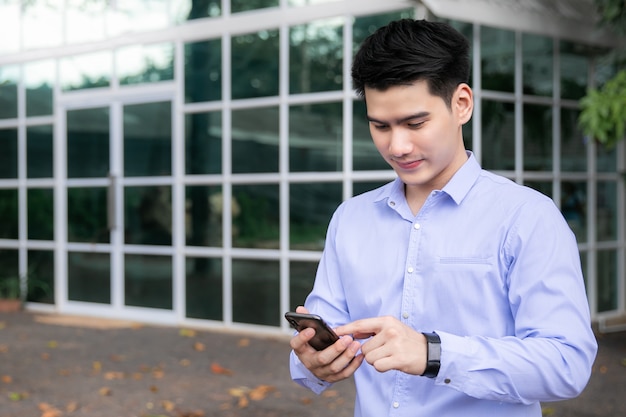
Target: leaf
[
  {"x": 7, "y": 379},
  {"x": 220, "y": 370},
  {"x": 105, "y": 392},
  {"x": 187, "y": 333},
  {"x": 168, "y": 405},
  {"x": 259, "y": 393},
  {"x": 52, "y": 344},
  {"x": 245, "y": 342},
  {"x": 199, "y": 347}
]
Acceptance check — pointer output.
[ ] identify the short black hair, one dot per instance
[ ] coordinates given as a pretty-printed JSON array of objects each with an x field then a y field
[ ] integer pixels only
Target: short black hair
[{"x": 410, "y": 50}]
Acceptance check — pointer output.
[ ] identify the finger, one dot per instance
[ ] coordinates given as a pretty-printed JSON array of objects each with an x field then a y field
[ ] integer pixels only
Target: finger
[
  {"x": 300, "y": 342},
  {"x": 302, "y": 309},
  {"x": 365, "y": 327}
]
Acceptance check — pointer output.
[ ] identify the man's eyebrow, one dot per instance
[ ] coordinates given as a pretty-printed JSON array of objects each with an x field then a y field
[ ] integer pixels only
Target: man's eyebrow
[{"x": 419, "y": 115}]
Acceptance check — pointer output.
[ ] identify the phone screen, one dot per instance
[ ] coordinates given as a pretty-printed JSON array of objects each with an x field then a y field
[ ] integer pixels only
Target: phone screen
[{"x": 324, "y": 335}]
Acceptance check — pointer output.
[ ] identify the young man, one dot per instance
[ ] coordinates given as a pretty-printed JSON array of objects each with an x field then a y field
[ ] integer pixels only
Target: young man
[{"x": 456, "y": 292}]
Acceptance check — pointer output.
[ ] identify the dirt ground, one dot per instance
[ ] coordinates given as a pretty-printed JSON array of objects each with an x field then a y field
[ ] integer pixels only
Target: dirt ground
[{"x": 63, "y": 366}]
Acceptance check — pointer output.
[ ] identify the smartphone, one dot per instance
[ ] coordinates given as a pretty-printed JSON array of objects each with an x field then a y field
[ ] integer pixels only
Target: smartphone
[{"x": 324, "y": 335}]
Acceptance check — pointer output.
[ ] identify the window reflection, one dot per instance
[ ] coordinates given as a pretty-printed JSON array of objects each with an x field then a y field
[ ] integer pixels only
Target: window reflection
[
  {"x": 237, "y": 6},
  {"x": 39, "y": 151},
  {"x": 87, "y": 219},
  {"x": 8, "y": 214},
  {"x": 86, "y": 71},
  {"x": 88, "y": 143},
  {"x": 89, "y": 277},
  {"x": 311, "y": 205},
  {"x": 40, "y": 213},
  {"x": 498, "y": 135},
  {"x": 573, "y": 145},
  {"x": 148, "y": 139},
  {"x": 497, "y": 59},
  {"x": 203, "y": 71},
  {"x": 606, "y": 207},
  {"x": 606, "y": 159},
  {"x": 607, "y": 280},
  {"x": 537, "y": 64},
  {"x": 255, "y": 64},
  {"x": 574, "y": 207},
  {"x": 315, "y": 137},
  {"x": 192, "y": 9},
  {"x": 145, "y": 64},
  {"x": 204, "y": 215},
  {"x": 148, "y": 281},
  {"x": 9, "y": 77},
  {"x": 203, "y": 143},
  {"x": 316, "y": 56},
  {"x": 203, "y": 288},
  {"x": 255, "y": 140},
  {"x": 8, "y": 153},
  {"x": 537, "y": 137},
  {"x": 255, "y": 212},
  {"x": 365, "y": 156},
  {"x": 41, "y": 270},
  {"x": 256, "y": 292},
  {"x": 148, "y": 215},
  {"x": 39, "y": 82},
  {"x": 301, "y": 277},
  {"x": 574, "y": 70}
]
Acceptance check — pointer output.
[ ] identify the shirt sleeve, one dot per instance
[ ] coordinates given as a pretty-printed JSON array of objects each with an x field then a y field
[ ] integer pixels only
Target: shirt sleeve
[
  {"x": 301, "y": 375},
  {"x": 550, "y": 355}
]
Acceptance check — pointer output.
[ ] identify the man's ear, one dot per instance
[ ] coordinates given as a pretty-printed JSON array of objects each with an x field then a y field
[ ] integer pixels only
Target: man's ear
[{"x": 463, "y": 103}]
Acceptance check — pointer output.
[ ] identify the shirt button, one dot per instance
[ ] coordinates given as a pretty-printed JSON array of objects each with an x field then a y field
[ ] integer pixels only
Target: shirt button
[
  {"x": 410, "y": 270},
  {"x": 447, "y": 380},
  {"x": 416, "y": 226},
  {"x": 405, "y": 315},
  {"x": 392, "y": 203},
  {"x": 396, "y": 404}
]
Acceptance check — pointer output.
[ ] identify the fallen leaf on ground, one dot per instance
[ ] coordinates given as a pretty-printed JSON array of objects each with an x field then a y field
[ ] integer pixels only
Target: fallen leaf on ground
[
  {"x": 105, "y": 391},
  {"x": 184, "y": 362},
  {"x": 199, "y": 347},
  {"x": 52, "y": 344},
  {"x": 331, "y": 393},
  {"x": 218, "y": 369},
  {"x": 187, "y": 333},
  {"x": 7, "y": 379},
  {"x": 259, "y": 393},
  {"x": 168, "y": 405},
  {"x": 245, "y": 342},
  {"x": 71, "y": 407}
]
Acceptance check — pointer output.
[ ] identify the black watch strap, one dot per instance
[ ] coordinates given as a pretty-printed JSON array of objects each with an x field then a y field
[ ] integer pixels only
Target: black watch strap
[{"x": 433, "y": 358}]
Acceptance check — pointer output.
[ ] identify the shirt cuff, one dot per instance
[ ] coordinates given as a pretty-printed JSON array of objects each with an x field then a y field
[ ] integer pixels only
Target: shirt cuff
[{"x": 302, "y": 376}]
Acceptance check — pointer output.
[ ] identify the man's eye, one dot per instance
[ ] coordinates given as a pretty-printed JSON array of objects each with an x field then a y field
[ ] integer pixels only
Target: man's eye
[
  {"x": 416, "y": 125},
  {"x": 380, "y": 127}
]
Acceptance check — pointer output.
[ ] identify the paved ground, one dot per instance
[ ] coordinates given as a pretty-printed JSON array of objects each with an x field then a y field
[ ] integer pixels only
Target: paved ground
[{"x": 59, "y": 366}]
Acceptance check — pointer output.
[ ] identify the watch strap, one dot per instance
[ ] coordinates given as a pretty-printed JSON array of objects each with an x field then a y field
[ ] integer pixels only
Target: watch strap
[{"x": 433, "y": 357}]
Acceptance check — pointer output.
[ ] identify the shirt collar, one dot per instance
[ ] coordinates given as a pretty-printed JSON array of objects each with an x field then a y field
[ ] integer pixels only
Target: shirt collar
[
  {"x": 463, "y": 180},
  {"x": 457, "y": 188}
]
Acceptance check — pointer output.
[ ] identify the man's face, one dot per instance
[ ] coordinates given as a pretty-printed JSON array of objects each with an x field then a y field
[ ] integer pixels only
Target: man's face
[{"x": 418, "y": 134}]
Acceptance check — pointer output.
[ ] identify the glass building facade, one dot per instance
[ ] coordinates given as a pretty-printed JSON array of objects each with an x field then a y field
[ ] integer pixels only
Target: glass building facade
[{"x": 178, "y": 161}]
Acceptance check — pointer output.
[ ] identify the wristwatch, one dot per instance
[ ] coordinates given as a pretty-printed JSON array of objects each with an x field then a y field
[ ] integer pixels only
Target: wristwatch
[{"x": 433, "y": 358}]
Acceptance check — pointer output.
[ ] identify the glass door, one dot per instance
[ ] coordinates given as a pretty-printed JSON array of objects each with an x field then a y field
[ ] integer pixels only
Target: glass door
[{"x": 119, "y": 206}]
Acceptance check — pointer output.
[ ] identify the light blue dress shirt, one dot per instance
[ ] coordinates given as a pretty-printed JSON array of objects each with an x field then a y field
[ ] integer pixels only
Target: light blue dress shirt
[{"x": 489, "y": 265}]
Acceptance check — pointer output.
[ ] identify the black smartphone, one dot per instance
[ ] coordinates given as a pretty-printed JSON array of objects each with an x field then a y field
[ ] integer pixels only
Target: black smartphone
[{"x": 324, "y": 335}]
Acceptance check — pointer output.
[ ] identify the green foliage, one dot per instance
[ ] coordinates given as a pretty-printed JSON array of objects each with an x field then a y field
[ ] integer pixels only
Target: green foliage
[
  {"x": 612, "y": 15},
  {"x": 603, "y": 115},
  {"x": 10, "y": 287}
]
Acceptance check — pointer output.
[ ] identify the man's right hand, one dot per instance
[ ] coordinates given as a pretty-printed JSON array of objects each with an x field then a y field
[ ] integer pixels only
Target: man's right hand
[{"x": 335, "y": 363}]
